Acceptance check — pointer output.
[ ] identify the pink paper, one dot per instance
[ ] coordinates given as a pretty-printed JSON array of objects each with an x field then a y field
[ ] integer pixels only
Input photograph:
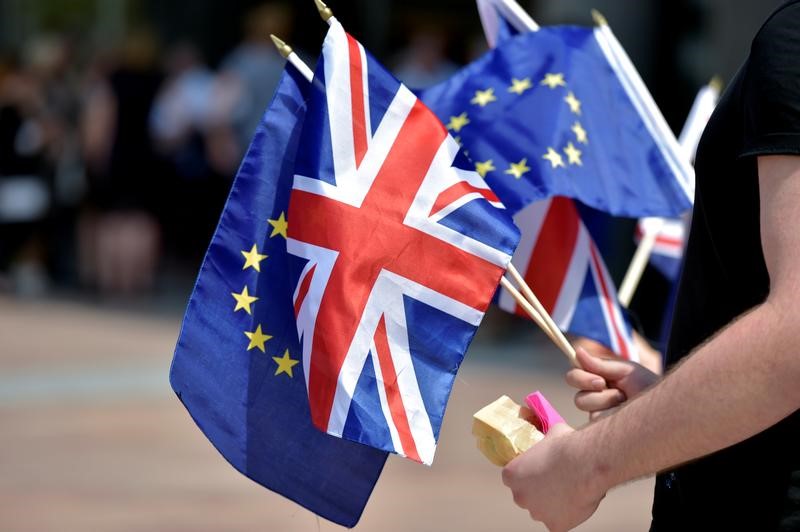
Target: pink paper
[{"x": 544, "y": 411}]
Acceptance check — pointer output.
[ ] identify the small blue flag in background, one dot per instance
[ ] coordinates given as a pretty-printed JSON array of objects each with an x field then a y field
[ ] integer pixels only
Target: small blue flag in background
[{"x": 236, "y": 366}]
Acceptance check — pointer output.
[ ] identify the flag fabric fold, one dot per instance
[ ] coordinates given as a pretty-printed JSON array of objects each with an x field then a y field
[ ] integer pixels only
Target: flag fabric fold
[
  {"x": 237, "y": 365},
  {"x": 399, "y": 245}
]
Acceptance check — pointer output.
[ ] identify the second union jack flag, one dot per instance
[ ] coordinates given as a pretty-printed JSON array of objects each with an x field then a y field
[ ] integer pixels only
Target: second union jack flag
[
  {"x": 560, "y": 261},
  {"x": 399, "y": 248}
]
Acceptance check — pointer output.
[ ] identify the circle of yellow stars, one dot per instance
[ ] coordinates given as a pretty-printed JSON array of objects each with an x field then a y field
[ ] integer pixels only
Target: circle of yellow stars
[
  {"x": 568, "y": 155},
  {"x": 244, "y": 300}
]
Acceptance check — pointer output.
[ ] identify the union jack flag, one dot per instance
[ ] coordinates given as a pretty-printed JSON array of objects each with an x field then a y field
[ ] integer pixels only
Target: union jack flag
[
  {"x": 667, "y": 251},
  {"x": 400, "y": 248},
  {"x": 560, "y": 261},
  {"x": 672, "y": 232}
]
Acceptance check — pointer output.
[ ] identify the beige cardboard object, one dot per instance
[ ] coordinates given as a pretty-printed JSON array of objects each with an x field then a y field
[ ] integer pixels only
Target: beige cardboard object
[{"x": 504, "y": 430}]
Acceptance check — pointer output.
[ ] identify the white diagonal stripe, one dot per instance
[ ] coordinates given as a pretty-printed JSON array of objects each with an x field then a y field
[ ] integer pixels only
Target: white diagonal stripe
[
  {"x": 440, "y": 176},
  {"x": 387, "y": 413},
  {"x": 529, "y": 220},
  {"x": 324, "y": 260}
]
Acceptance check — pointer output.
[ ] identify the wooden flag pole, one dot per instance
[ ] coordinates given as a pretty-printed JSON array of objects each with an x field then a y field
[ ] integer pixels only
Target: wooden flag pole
[
  {"x": 557, "y": 336},
  {"x": 642, "y": 255},
  {"x": 491, "y": 11},
  {"x": 565, "y": 348},
  {"x": 286, "y": 51},
  {"x": 528, "y": 308},
  {"x": 639, "y": 262},
  {"x": 689, "y": 138}
]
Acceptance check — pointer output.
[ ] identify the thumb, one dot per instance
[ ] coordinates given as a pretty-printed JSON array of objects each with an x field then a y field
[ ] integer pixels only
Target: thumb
[
  {"x": 610, "y": 369},
  {"x": 559, "y": 429}
]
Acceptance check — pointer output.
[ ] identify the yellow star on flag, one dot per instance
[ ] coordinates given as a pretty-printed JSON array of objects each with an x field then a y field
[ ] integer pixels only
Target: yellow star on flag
[
  {"x": 484, "y": 168},
  {"x": 580, "y": 133},
  {"x": 285, "y": 364},
  {"x": 573, "y": 154},
  {"x": 554, "y": 157},
  {"x": 484, "y": 98},
  {"x": 457, "y": 122},
  {"x": 574, "y": 103},
  {"x": 279, "y": 226},
  {"x": 554, "y": 80},
  {"x": 253, "y": 258},
  {"x": 257, "y": 339},
  {"x": 519, "y": 169},
  {"x": 243, "y": 300},
  {"x": 518, "y": 86}
]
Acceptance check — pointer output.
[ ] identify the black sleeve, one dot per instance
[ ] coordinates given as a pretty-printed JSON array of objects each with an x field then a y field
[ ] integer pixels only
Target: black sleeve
[{"x": 772, "y": 87}]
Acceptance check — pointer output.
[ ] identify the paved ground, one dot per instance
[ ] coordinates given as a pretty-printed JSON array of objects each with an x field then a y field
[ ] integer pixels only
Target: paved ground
[{"x": 93, "y": 439}]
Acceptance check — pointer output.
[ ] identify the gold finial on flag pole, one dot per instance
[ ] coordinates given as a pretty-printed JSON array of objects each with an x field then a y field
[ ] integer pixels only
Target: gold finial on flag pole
[
  {"x": 324, "y": 11},
  {"x": 598, "y": 18},
  {"x": 284, "y": 49},
  {"x": 716, "y": 83}
]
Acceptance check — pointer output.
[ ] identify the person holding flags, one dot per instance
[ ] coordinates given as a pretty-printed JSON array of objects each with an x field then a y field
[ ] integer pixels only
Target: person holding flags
[{"x": 723, "y": 426}]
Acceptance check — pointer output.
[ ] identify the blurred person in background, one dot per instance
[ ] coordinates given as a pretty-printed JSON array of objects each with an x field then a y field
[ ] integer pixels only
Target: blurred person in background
[
  {"x": 52, "y": 64},
  {"x": 424, "y": 61},
  {"x": 120, "y": 231},
  {"x": 37, "y": 116},
  {"x": 180, "y": 124},
  {"x": 247, "y": 78}
]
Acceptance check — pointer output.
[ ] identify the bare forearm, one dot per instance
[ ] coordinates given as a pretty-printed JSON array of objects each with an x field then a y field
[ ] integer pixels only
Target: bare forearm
[{"x": 738, "y": 384}]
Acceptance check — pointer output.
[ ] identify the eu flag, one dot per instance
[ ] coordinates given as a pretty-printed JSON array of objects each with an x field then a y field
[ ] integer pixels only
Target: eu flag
[
  {"x": 236, "y": 366},
  {"x": 561, "y": 112}
]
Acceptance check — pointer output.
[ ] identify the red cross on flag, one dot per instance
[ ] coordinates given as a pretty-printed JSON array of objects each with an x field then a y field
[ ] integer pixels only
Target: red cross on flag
[{"x": 400, "y": 248}]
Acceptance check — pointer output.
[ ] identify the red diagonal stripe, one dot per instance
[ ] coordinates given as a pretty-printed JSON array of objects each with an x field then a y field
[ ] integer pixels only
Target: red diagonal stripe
[
  {"x": 393, "y": 396},
  {"x": 553, "y": 251},
  {"x": 357, "y": 101},
  {"x": 457, "y": 191},
  {"x": 661, "y": 239},
  {"x": 609, "y": 304},
  {"x": 669, "y": 241},
  {"x": 372, "y": 238},
  {"x": 304, "y": 286}
]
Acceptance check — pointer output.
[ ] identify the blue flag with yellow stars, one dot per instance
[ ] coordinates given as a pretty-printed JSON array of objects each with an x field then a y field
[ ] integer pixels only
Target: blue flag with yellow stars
[
  {"x": 237, "y": 362},
  {"x": 561, "y": 112}
]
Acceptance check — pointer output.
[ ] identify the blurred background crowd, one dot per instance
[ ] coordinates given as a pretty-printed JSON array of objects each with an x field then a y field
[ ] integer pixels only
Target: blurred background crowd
[{"x": 122, "y": 122}]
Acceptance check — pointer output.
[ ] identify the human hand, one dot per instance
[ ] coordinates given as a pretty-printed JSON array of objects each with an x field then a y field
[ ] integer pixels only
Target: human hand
[
  {"x": 605, "y": 383},
  {"x": 554, "y": 481},
  {"x": 648, "y": 356}
]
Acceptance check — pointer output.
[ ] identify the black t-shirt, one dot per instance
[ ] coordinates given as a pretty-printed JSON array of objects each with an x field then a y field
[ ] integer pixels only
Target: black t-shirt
[{"x": 754, "y": 485}]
